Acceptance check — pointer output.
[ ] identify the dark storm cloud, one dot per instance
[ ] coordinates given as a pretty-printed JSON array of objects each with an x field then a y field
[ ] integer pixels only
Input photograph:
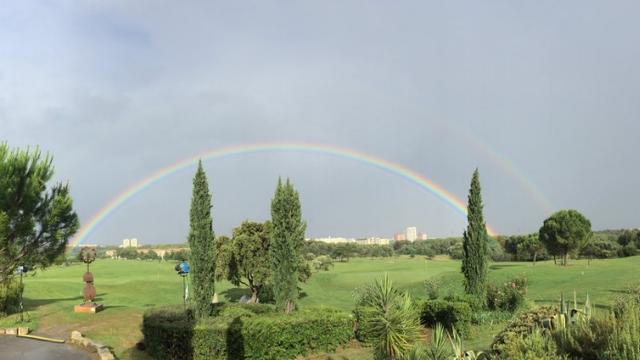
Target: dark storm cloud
[{"x": 117, "y": 90}]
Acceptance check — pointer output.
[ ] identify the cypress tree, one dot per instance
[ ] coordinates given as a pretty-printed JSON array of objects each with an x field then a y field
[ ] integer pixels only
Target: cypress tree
[
  {"x": 286, "y": 240},
  {"x": 474, "y": 246},
  {"x": 201, "y": 242}
]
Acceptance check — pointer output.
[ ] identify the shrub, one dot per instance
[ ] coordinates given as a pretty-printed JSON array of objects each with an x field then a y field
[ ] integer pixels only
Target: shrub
[
  {"x": 287, "y": 336},
  {"x": 168, "y": 332},
  {"x": 363, "y": 316},
  {"x": 393, "y": 325},
  {"x": 533, "y": 346},
  {"x": 520, "y": 326},
  {"x": 10, "y": 297},
  {"x": 432, "y": 286},
  {"x": 239, "y": 331},
  {"x": 624, "y": 342},
  {"x": 449, "y": 314},
  {"x": 508, "y": 296}
]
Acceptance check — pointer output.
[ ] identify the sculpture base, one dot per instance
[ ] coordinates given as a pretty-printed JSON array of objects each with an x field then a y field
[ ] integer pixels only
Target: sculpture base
[{"x": 88, "y": 308}]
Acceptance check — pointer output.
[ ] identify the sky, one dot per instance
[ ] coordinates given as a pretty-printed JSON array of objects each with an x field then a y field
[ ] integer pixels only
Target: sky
[{"x": 543, "y": 97}]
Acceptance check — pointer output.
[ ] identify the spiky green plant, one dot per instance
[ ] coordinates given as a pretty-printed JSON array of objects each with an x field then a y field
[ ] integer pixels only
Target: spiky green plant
[
  {"x": 458, "y": 349},
  {"x": 394, "y": 325}
]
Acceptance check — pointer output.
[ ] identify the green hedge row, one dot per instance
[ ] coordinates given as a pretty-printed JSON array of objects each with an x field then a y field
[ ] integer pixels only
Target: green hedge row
[
  {"x": 244, "y": 332},
  {"x": 449, "y": 314}
]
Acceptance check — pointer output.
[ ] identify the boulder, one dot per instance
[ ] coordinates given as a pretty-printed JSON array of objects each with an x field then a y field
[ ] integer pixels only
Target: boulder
[
  {"x": 76, "y": 337},
  {"x": 105, "y": 354},
  {"x": 11, "y": 331},
  {"x": 23, "y": 331}
]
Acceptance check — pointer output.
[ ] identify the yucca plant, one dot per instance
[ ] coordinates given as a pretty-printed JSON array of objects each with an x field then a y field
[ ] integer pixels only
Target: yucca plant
[
  {"x": 458, "y": 348},
  {"x": 394, "y": 325},
  {"x": 438, "y": 349}
]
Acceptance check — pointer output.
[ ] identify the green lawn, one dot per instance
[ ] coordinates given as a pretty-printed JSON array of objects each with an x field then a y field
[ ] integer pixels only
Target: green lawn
[{"x": 127, "y": 288}]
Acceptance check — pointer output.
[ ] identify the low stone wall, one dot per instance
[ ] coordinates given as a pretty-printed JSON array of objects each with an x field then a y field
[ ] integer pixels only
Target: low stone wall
[
  {"x": 14, "y": 331},
  {"x": 103, "y": 350}
]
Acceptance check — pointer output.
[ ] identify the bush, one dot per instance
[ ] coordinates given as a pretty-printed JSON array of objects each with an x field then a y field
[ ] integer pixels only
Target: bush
[
  {"x": 363, "y": 316},
  {"x": 508, "y": 296},
  {"x": 287, "y": 336},
  {"x": 10, "y": 297},
  {"x": 243, "y": 331},
  {"x": 432, "y": 286},
  {"x": 167, "y": 332},
  {"x": 533, "y": 346},
  {"x": 521, "y": 326},
  {"x": 450, "y": 314}
]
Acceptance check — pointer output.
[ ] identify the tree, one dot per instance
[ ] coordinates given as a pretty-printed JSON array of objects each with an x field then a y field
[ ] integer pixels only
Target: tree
[
  {"x": 202, "y": 244},
  {"x": 286, "y": 242},
  {"x": 36, "y": 222},
  {"x": 244, "y": 259},
  {"x": 474, "y": 245},
  {"x": 565, "y": 231}
]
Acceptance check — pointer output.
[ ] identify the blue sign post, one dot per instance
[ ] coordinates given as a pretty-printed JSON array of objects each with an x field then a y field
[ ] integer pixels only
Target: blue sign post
[{"x": 183, "y": 270}]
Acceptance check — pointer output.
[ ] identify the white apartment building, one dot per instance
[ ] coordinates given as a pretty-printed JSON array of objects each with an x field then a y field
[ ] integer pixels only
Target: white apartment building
[{"x": 411, "y": 233}]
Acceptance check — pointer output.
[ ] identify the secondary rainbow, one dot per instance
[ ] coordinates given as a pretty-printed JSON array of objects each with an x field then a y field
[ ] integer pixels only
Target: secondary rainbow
[{"x": 391, "y": 167}]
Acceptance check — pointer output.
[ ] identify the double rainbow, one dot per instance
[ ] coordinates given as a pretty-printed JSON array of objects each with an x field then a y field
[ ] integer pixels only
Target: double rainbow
[{"x": 391, "y": 167}]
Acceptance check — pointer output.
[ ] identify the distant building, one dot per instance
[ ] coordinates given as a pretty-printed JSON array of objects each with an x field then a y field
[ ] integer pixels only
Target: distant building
[
  {"x": 411, "y": 233},
  {"x": 422, "y": 236},
  {"x": 400, "y": 237},
  {"x": 333, "y": 240},
  {"x": 373, "y": 241},
  {"x": 129, "y": 243}
]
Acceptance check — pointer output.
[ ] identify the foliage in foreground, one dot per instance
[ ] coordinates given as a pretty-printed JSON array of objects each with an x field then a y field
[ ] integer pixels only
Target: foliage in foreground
[
  {"x": 36, "y": 219},
  {"x": 251, "y": 331},
  {"x": 392, "y": 323}
]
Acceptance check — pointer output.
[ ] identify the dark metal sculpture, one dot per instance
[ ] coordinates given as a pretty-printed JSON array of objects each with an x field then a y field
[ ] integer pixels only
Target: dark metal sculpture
[{"x": 88, "y": 255}]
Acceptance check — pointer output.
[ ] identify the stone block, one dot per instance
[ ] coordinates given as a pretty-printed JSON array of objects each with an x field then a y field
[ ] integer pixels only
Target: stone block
[
  {"x": 11, "y": 331},
  {"x": 76, "y": 337},
  {"x": 88, "y": 308},
  {"x": 23, "y": 331},
  {"x": 105, "y": 354}
]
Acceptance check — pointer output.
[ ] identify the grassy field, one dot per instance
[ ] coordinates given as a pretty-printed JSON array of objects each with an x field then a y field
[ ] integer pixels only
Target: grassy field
[{"x": 127, "y": 288}]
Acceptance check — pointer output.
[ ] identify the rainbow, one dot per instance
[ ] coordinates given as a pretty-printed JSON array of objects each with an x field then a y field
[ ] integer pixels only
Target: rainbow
[{"x": 391, "y": 167}]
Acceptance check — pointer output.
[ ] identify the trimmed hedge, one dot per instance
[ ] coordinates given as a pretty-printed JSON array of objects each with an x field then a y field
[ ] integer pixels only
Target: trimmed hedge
[
  {"x": 244, "y": 332},
  {"x": 287, "y": 336},
  {"x": 449, "y": 314},
  {"x": 168, "y": 332}
]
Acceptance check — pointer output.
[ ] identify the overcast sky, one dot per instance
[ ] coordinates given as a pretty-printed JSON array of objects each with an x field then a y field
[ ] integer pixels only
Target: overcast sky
[{"x": 542, "y": 96}]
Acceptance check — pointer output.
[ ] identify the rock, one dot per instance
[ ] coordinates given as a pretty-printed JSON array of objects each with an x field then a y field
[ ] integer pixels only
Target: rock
[
  {"x": 23, "y": 331},
  {"x": 11, "y": 331},
  {"x": 215, "y": 298},
  {"x": 244, "y": 299},
  {"x": 1, "y": 331},
  {"x": 105, "y": 354},
  {"x": 76, "y": 337},
  {"x": 86, "y": 342}
]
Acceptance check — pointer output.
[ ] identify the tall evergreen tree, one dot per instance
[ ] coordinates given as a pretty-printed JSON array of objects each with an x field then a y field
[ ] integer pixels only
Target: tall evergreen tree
[
  {"x": 474, "y": 246},
  {"x": 202, "y": 244},
  {"x": 286, "y": 241}
]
